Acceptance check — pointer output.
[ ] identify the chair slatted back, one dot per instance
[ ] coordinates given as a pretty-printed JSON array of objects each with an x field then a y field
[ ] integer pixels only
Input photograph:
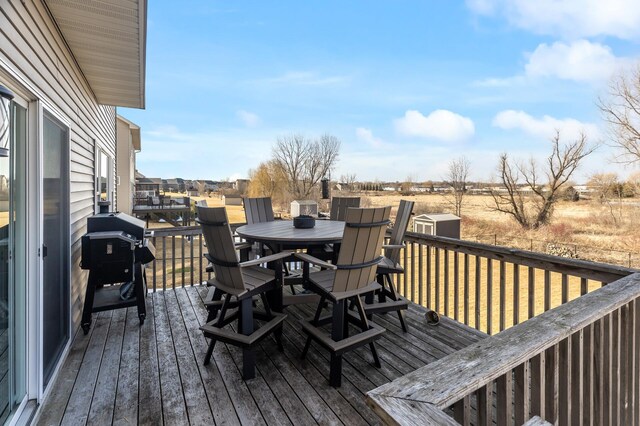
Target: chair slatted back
[
  {"x": 339, "y": 206},
  {"x": 399, "y": 228},
  {"x": 258, "y": 210},
  {"x": 222, "y": 251},
  {"x": 363, "y": 235}
]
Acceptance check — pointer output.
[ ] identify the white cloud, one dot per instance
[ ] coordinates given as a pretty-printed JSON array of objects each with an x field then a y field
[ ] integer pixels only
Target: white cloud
[
  {"x": 249, "y": 119},
  {"x": 580, "y": 61},
  {"x": 545, "y": 126},
  {"x": 439, "y": 124},
  {"x": 366, "y": 135},
  {"x": 567, "y": 18}
]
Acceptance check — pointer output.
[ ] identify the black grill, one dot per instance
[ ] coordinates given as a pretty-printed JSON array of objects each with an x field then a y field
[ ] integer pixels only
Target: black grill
[{"x": 114, "y": 251}]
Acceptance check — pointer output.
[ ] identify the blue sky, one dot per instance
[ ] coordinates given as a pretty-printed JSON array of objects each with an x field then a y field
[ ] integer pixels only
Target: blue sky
[{"x": 406, "y": 85}]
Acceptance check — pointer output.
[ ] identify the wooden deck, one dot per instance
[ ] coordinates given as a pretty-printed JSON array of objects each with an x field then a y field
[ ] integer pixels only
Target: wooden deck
[{"x": 121, "y": 373}]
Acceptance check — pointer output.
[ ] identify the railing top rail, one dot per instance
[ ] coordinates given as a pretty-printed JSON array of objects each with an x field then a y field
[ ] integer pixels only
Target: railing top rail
[
  {"x": 581, "y": 268},
  {"x": 183, "y": 230},
  {"x": 451, "y": 378}
]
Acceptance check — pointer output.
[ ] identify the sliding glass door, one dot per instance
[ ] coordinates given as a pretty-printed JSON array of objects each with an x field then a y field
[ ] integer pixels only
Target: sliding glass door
[
  {"x": 13, "y": 146},
  {"x": 55, "y": 204}
]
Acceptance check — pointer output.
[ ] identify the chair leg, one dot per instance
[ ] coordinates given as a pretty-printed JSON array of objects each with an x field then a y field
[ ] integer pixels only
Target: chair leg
[
  {"x": 381, "y": 294},
  {"x": 245, "y": 321},
  {"x": 365, "y": 327},
  {"x": 335, "y": 372},
  {"x": 337, "y": 334},
  {"x": 316, "y": 317},
  {"x": 345, "y": 328},
  {"x": 207, "y": 357},
  {"x": 223, "y": 313},
  {"x": 394, "y": 296},
  {"x": 368, "y": 299},
  {"x": 212, "y": 311}
]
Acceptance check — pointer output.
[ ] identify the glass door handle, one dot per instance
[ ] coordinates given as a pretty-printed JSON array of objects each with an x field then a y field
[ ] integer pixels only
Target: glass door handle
[{"x": 44, "y": 251}]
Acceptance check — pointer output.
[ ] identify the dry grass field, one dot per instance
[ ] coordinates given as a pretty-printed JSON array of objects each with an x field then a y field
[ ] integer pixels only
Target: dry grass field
[{"x": 588, "y": 229}]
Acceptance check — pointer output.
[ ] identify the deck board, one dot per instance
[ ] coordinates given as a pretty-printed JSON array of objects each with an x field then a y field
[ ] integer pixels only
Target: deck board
[{"x": 125, "y": 374}]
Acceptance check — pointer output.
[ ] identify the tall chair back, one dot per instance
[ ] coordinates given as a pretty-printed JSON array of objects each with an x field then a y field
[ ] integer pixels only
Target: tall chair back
[
  {"x": 222, "y": 253},
  {"x": 258, "y": 210},
  {"x": 399, "y": 228},
  {"x": 360, "y": 252},
  {"x": 339, "y": 206}
]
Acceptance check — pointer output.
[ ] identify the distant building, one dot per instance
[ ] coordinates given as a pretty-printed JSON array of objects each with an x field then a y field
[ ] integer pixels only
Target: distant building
[
  {"x": 148, "y": 187},
  {"x": 170, "y": 185},
  {"x": 128, "y": 144}
]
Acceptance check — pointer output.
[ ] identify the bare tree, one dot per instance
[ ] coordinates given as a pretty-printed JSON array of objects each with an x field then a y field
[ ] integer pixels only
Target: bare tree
[
  {"x": 305, "y": 161},
  {"x": 456, "y": 178},
  {"x": 622, "y": 112},
  {"x": 607, "y": 187},
  {"x": 349, "y": 180},
  {"x": 524, "y": 196}
]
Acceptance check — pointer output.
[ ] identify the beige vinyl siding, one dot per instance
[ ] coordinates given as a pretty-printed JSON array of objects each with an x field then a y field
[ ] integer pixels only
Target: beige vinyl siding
[{"x": 30, "y": 42}]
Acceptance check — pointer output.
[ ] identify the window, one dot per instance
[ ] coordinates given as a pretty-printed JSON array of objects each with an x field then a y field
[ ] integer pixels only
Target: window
[{"x": 104, "y": 178}]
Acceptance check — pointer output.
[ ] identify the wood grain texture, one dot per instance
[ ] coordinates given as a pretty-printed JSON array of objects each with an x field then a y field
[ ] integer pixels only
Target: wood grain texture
[
  {"x": 161, "y": 378},
  {"x": 446, "y": 381}
]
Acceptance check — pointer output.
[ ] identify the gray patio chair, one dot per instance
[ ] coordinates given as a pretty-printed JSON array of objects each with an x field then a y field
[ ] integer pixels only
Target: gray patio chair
[
  {"x": 258, "y": 210},
  {"x": 339, "y": 206},
  {"x": 390, "y": 265},
  {"x": 243, "y": 247},
  {"x": 240, "y": 281},
  {"x": 347, "y": 280}
]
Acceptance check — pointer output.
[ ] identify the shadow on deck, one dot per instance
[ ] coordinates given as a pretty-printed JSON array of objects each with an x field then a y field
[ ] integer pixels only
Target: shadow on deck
[{"x": 121, "y": 373}]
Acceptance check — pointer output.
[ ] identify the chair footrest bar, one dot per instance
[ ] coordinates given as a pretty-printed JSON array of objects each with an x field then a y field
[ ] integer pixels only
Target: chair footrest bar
[
  {"x": 391, "y": 305},
  {"x": 343, "y": 345},
  {"x": 231, "y": 337}
]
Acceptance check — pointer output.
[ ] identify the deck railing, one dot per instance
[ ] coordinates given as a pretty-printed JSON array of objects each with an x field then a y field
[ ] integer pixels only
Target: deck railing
[
  {"x": 492, "y": 288},
  {"x": 575, "y": 364},
  {"x": 487, "y": 287}
]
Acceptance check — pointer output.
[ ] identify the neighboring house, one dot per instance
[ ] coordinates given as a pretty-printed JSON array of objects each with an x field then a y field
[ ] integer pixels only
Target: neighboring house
[
  {"x": 206, "y": 186},
  {"x": 128, "y": 144},
  {"x": 170, "y": 185},
  {"x": 148, "y": 187},
  {"x": 68, "y": 64},
  {"x": 181, "y": 185}
]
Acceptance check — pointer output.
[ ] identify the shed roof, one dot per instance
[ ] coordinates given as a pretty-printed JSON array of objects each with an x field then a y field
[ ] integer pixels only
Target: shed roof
[{"x": 437, "y": 217}]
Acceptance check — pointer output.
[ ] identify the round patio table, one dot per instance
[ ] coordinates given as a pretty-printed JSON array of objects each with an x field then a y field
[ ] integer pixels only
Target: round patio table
[{"x": 281, "y": 235}]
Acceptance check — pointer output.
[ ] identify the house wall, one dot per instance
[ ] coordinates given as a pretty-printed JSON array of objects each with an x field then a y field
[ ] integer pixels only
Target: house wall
[
  {"x": 32, "y": 50},
  {"x": 125, "y": 167}
]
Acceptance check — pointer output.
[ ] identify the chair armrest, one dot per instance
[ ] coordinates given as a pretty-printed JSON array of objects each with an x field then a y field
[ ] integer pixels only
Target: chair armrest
[
  {"x": 393, "y": 246},
  {"x": 314, "y": 261},
  {"x": 266, "y": 259}
]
